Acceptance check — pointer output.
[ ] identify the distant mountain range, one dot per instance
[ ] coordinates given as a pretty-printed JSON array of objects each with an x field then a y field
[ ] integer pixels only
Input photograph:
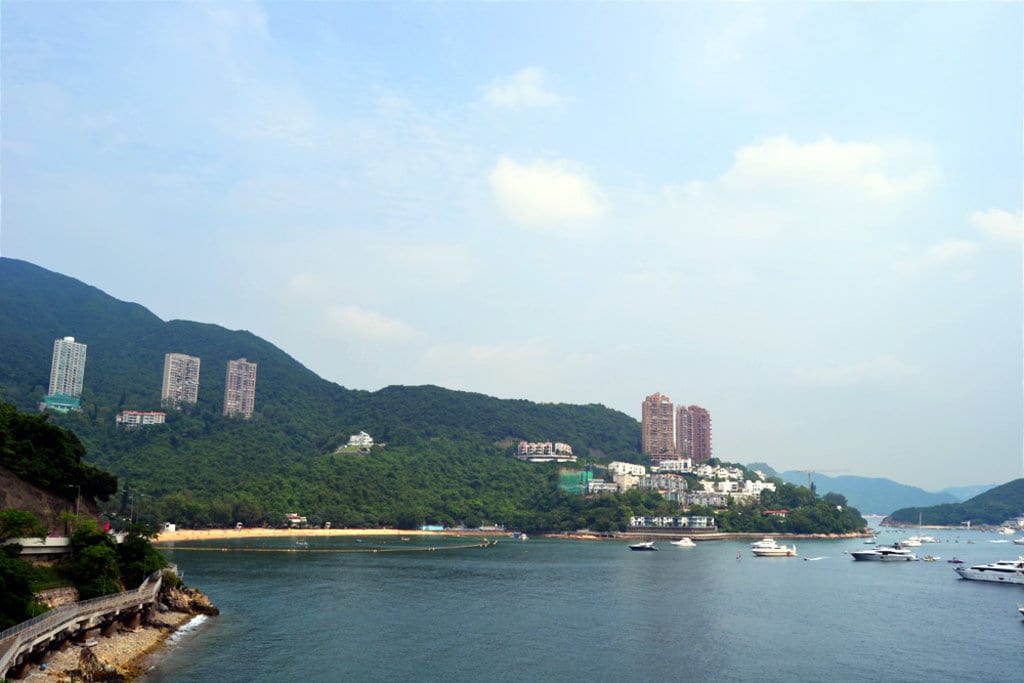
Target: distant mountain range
[
  {"x": 995, "y": 506},
  {"x": 877, "y": 496}
]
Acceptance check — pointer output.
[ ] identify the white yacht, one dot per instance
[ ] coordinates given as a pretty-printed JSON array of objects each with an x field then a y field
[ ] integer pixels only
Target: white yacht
[
  {"x": 885, "y": 553},
  {"x": 685, "y": 542},
  {"x": 1001, "y": 571},
  {"x": 774, "y": 550},
  {"x": 766, "y": 542}
]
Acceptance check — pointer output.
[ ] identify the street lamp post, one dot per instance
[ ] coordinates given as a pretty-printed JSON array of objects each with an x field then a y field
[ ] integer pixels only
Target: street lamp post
[{"x": 78, "y": 495}]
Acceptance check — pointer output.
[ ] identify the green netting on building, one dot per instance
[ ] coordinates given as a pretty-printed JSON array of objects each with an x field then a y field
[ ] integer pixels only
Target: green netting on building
[{"x": 574, "y": 482}]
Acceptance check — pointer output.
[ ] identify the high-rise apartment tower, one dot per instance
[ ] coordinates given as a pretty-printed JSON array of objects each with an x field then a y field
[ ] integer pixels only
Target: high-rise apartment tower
[
  {"x": 67, "y": 371},
  {"x": 656, "y": 427},
  {"x": 700, "y": 420},
  {"x": 684, "y": 432},
  {"x": 240, "y": 388},
  {"x": 181, "y": 380}
]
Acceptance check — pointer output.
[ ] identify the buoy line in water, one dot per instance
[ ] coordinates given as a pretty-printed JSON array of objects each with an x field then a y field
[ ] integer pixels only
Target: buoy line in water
[{"x": 486, "y": 544}]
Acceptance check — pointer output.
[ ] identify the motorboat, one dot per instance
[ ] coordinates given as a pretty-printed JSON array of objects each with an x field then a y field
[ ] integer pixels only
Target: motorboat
[
  {"x": 1000, "y": 571},
  {"x": 1018, "y": 541},
  {"x": 885, "y": 553},
  {"x": 1021, "y": 610},
  {"x": 920, "y": 539},
  {"x": 646, "y": 545},
  {"x": 684, "y": 542},
  {"x": 955, "y": 560},
  {"x": 775, "y": 551},
  {"x": 766, "y": 542},
  {"x": 931, "y": 558},
  {"x": 911, "y": 542}
]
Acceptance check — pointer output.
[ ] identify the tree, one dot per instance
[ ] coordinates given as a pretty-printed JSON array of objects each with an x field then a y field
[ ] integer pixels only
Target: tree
[{"x": 20, "y": 524}]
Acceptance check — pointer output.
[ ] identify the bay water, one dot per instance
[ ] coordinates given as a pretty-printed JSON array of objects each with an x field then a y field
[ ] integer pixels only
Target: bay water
[{"x": 566, "y": 610}]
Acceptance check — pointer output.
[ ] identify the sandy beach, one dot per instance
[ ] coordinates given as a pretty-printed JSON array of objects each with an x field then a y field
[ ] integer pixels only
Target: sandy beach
[{"x": 218, "y": 534}]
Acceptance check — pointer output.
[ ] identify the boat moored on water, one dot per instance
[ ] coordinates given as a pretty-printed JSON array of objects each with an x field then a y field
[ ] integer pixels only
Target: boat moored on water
[
  {"x": 646, "y": 545},
  {"x": 769, "y": 548},
  {"x": 684, "y": 542},
  {"x": 885, "y": 553},
  {"x": 1000, "y": 571}
]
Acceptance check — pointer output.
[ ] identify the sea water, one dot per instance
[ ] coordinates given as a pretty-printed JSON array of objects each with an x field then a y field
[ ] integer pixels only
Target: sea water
[{"x": 563, "y": 610}]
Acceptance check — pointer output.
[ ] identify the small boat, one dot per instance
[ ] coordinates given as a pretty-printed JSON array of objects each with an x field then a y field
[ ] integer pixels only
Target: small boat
[
  {"x": 1021, "y": 610},
  {"x": 646, "y": 545},
  {"x": 301, "y": 544},
  {"x": 1018, "y": 541},
  {"x": 813, "y": 559},
  {"x": 955, "y": 560},
  {"x": 684, "y": 542},
  {"x": 931, "y": 558},
  {"x": 404, "y": 539}
]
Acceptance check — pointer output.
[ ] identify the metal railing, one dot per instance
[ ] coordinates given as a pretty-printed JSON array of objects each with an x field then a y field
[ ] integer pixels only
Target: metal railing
[{"x": 12, "y": 639}]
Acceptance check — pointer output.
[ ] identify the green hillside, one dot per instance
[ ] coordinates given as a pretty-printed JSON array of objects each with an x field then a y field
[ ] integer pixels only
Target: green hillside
[
  {"x": 441, "y": 460},
  {"x": 991, "y": 507}
]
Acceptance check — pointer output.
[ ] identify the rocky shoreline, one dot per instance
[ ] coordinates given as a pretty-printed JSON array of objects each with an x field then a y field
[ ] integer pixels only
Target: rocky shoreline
[{"x": 122, "y": 656}]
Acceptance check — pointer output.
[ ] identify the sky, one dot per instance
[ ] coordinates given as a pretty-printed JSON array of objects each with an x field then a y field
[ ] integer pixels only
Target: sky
[{"x": 804, "y": 217}]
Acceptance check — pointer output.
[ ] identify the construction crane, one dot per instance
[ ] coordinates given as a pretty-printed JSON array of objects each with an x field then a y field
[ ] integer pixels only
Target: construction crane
[{"x": 810, "y": 483}]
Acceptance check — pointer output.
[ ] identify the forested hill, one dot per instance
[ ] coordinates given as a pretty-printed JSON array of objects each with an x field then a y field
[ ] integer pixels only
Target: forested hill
[
  {"x": 299, "y": 417},
  {"x": 991, "y": 507}
]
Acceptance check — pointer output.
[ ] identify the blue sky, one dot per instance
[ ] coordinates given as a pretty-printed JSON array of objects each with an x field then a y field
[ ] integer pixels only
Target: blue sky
[{"x": 805, "y": 217}]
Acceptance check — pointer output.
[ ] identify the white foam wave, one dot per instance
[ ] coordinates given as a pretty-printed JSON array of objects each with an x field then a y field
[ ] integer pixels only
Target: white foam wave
[{"x": 186, "y": 629}]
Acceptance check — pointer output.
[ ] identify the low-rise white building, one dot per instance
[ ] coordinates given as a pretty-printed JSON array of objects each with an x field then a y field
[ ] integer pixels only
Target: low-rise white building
[
  {"x": 544, "y": 451},
  {"x": 136, "y": 418},
  {"x": 360, "y": 440},
  {"x": 677, "y": 465},
  {"x": 602, "y": 486},
  {"x": 619, "y": 467}
]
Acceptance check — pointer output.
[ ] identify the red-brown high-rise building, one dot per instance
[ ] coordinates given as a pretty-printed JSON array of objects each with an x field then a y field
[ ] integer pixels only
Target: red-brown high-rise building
[
  {"x": 656, "y": 427},
  {"x": 684, "y": 432},
  {"x": 700, "y": 434}
]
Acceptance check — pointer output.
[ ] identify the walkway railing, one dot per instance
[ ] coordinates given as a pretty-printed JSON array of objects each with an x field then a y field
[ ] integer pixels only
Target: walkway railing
[{"x": 17, "y": 638}]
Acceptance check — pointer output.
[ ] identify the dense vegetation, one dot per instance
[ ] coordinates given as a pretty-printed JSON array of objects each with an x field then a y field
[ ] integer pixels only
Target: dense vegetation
[
  {"x": 96, "y": 566},
  {"x": 49, "y": 457},
  {"x": 991, "y": 507},
  {"x": 447, "y": 459}
]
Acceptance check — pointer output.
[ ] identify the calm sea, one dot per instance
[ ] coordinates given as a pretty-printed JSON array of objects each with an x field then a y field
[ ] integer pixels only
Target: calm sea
[{"x": 547, "y": 610}]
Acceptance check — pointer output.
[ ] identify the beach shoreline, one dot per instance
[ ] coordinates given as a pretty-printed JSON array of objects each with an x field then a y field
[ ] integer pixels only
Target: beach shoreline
[
  {"x": 222, "y": 534},
  {"x": 126, "y": 651}
]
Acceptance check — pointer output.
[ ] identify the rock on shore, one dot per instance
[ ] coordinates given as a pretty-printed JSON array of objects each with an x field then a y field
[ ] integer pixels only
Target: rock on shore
[{"x": 121, "y": 657}]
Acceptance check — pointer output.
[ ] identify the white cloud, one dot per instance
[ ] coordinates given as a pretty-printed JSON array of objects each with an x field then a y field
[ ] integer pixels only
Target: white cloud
[
  {"x": 878, "y": 170},
  {"x": 999, "y": 225},
  {"x": 879, "y": 370},
  {"x": 544, "y": 192},
  {"x": 352, "y": 321},
  {"x": 524, "y": 88},
  {"x": 938, "y": 255}
]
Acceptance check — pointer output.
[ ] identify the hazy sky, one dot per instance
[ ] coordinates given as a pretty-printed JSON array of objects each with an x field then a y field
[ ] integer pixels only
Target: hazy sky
[{"x": 804, "y": 217}]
